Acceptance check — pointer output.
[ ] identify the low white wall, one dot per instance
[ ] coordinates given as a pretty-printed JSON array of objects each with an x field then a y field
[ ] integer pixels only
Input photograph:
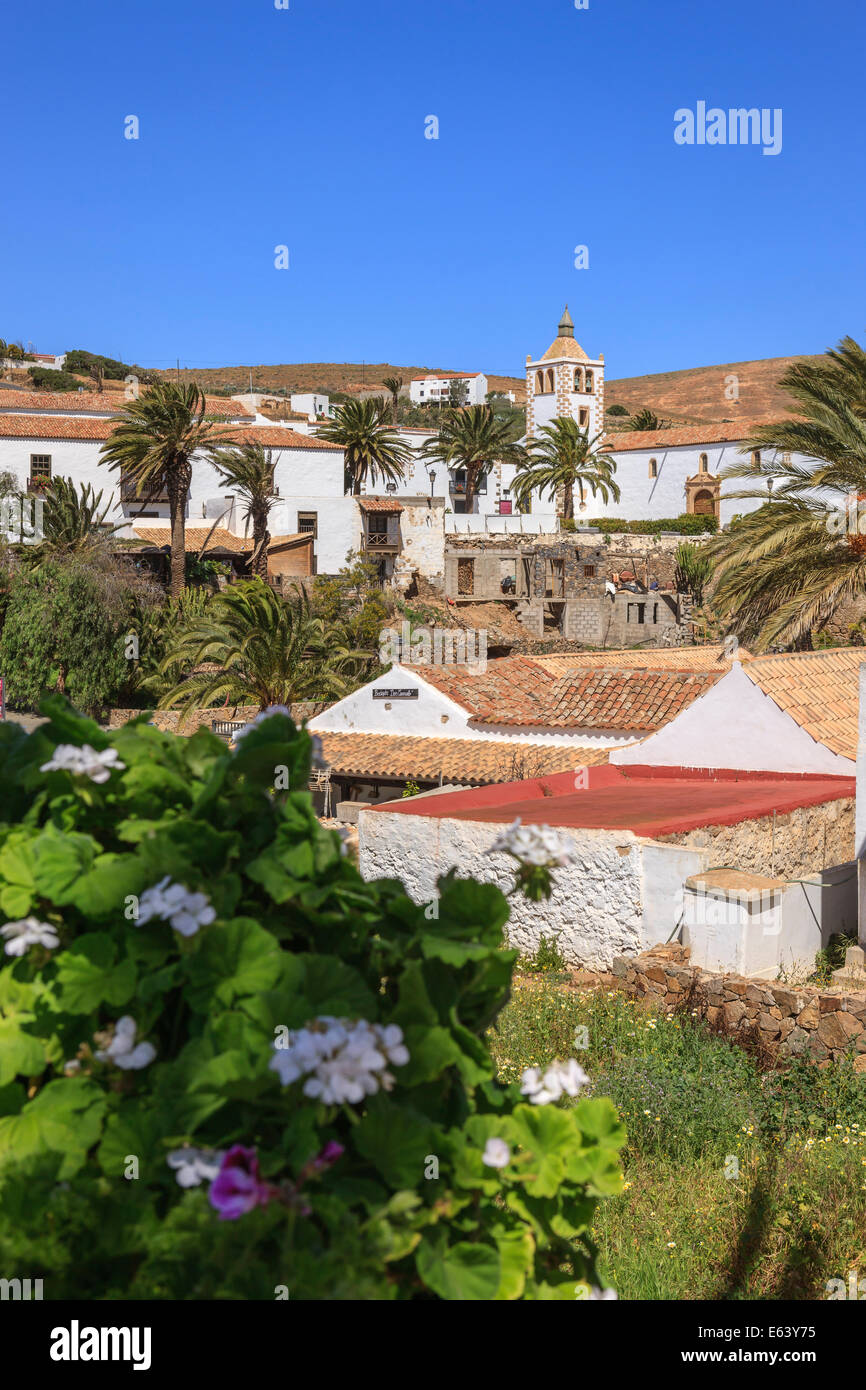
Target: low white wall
[
  {"x": 774, "y": 933},
  {"x": 595, "y": 911}
]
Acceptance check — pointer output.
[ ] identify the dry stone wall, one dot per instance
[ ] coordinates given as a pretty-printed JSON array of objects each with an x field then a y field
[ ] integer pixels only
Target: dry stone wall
[{"x": 805, "y": 1021}]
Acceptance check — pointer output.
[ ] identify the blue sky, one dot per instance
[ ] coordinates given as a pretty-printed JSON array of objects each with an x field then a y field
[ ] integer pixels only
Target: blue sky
[{"x": 305, "y": 127}]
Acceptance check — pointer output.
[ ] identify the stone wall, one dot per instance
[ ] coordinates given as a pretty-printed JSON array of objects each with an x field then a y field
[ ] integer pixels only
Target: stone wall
[
  {"x": 792, "y": 1021},
  {"x": 799, "y": 843},
  {"x": 172, "y": 722}
]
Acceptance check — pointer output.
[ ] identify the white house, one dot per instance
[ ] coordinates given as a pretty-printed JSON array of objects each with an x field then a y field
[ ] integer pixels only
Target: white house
[
  {"x": 311, "y": 403},
  {"x": 436, "y": 388}
]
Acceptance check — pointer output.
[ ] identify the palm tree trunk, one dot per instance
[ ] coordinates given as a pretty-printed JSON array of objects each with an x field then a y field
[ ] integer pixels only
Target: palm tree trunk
[
  {"x": 178, "y": 487},
  {"x": 261, "y": 541}
]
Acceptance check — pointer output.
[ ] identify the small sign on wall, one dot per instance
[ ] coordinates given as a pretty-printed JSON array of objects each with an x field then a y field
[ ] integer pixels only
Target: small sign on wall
[{"x": 406, "y": 693}]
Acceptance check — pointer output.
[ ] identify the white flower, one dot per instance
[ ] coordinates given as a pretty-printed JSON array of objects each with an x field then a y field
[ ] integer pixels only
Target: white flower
[
  {"x": 496, "y": 1153},
  {"x": 84, "y": 762},
  {"x": 535, "y": 845},
  {"x": 122, "y": 1050},
  {"x": 195, "y": 1166},
  {"x": 343, "y": 1060},
  {"x": 72, "y": 1068},
  {"x": 560, "y": 1078},
  {"x": 176, "y": 904},
  {"x": 27, "y": 932},
  {"x": 265, "y": 714}
]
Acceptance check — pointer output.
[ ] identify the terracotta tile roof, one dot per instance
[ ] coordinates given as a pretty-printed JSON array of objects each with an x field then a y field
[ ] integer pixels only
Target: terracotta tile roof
[
  {"x": 625, "y": 699},
  {"x": 379, "y": 504},
  {"x": 565, "y": 347},
  {"x": 517, "y": 691},
  {"x": 447, "y": 376},
  {"x": 819, "y": 690},
  {"x": 730, "y": 433},
  {"x": 99, "y": 428},
  {"x": 708, "y": 658},
  {"x": 463, "y": 760},
  {"x": 107, "y": 402},
  {"x": 195, "y": 538}
]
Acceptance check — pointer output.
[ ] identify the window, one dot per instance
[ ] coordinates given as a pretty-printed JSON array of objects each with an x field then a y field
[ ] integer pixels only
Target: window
[
  {"x": 308, "y": 523},
  {"x": 583, "y": 417},
  {"x": 589, "y": 571},
  {"x": 578, "y": 378},
  {"x": 635, "y": 612},
  {"x": 40, "y": 470},
  {"x": 653, "y": 468},
  {"x": 702, "y": 464},
  {"x": 539, "y": 383},
  {"x": 588, "y": 381},
  {"x": 377, "y": 524},
  {"x": 756, "y": 458},
  {"x": 465, "y": 576}
]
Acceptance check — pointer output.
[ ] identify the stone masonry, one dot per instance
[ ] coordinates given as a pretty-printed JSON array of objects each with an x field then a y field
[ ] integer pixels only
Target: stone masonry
[{"x": 803, "y": 1021}]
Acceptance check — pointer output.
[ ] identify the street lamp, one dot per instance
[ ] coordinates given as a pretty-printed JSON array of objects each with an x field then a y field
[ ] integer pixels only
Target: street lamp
[{"x": 431, "y": 474}]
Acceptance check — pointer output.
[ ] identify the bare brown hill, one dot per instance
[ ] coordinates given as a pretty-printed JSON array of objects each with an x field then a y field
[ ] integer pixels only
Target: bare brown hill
[
  {"x": 693, "y": 395},
  {"x": 327, "y": 376},
  {"x": 697, "y": 394}
]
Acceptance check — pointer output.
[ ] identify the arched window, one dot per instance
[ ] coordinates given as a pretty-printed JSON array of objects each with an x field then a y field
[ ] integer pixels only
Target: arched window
[
  {"x": 551, "y": 380},
  {"x": 702, "y": 464},
  {"x": 578, "y": 378},
  {"x": 756, "y": 458},
  {"x": 587, "y": 380},
  {"x": 539, "y": 383},
  {"x": 653, "y": 468}
]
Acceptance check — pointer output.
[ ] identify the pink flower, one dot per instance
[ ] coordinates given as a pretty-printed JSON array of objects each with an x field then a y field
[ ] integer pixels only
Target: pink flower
[{"x": 237, "y": 1187}]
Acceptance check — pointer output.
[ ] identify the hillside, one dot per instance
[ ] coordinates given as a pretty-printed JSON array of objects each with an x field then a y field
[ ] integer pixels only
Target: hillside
[
  {"x": 696, "y": 394},
  {"x": 328, "y": 376}
]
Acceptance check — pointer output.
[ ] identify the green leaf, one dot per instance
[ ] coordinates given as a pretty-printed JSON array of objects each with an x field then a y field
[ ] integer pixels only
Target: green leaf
[
  {"x": 20, "y": 1053},
  {"x": 65, "y": 1117},
  {"x": 133, "y": 1131},
  {"x": 102, "y": 890},
  {"x": 88, "y": 976},
  {"x": 396, "y": 1140},
  {"x": 236, "y": 958},
  {"x": 548, "y": 1135},
  {"x": 431, "y": 1051},
  {"x": 463, "y": 1272},
  {"x": 516, "y": 1259}
]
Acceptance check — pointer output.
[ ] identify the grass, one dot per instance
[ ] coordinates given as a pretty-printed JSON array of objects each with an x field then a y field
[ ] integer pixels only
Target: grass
[{"x": 740, "y": 1183}]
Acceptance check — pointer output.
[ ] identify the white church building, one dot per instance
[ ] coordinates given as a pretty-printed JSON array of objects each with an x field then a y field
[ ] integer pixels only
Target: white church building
[
  {"x": 662, "y": 473},
  {"x": 404, "y": 524}
]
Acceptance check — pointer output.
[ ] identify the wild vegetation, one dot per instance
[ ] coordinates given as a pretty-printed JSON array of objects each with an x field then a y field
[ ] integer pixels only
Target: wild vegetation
[{"x": 739, "y": 1183}]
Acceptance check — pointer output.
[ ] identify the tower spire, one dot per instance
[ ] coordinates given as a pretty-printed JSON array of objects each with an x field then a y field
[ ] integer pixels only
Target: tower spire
[{"x": 566, "y": 327}]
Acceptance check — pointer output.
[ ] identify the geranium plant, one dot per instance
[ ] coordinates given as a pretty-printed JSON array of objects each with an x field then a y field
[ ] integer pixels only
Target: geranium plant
[{"x": 230, "y": 1067}]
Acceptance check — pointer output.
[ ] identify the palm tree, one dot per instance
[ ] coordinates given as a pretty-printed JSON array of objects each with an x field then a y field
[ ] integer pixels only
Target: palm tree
[
  {"x": 644, "y": 419},
  {"x": 369, "y": 443},
  {"x": 789, "y": 565},
  {"x": 153, "y": 443},
  {"x": 258, "y": 648},
  {"x": 249, "y": 469},
  {"x": 72, "y": 522},
  {"x": 393, "y": 384},
  {"x": 564, "y": 457},
  {"x": 473, "y": 439}
]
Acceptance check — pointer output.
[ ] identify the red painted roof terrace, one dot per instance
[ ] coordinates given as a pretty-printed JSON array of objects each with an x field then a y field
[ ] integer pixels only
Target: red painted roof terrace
[{"x": 650, "y": 801}]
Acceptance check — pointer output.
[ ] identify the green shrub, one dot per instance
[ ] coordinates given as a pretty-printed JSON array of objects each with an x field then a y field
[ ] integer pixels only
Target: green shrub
[
  {"x": 687, "y": 525},
  {"x": 46, "y": 379},
  {"x": 545, "y": 959},
  {"x": 62, "y": 630},
  {"x": 386, "y": 1195}
]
